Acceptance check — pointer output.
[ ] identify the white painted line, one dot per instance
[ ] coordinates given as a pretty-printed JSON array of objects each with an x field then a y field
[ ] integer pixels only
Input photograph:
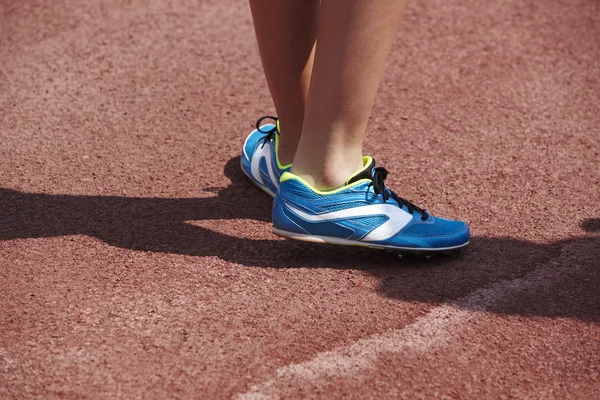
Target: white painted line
[{"x": 432, "y": 331}]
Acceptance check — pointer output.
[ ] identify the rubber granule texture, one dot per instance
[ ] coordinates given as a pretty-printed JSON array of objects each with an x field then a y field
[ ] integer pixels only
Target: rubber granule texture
[{"x": 137, "y": 261}]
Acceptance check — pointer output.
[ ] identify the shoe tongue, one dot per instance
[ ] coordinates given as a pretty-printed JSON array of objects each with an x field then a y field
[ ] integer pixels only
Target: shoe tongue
[{"x": 365, "y": 173}]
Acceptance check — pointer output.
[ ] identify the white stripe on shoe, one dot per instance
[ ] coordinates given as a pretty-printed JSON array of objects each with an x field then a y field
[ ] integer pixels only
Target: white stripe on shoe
[
  {"x": 397, "y": 218},
  {"x": 260, "y": 153}
]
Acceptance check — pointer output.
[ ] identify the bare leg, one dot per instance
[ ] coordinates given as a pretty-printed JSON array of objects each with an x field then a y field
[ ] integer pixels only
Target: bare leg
[
  {"x": 286, "y": 32},
  {"x": 354, "y": 40}
]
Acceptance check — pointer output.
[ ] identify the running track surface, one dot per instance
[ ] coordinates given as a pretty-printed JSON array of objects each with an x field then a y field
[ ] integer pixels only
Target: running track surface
[{"x": 136, "y": 261}]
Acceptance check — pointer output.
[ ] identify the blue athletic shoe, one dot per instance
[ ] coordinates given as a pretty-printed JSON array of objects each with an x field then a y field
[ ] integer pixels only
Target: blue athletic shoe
[
  {"x": 260, "y": 160},
  {"x": 363, "y": 212}
]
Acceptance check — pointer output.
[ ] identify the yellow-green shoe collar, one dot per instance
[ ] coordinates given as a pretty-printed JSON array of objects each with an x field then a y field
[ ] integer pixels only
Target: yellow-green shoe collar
[
  {"x": 366, "y": 172},
  {"x": 362, "y": 175},
  {"x": 279, "y": 165}
]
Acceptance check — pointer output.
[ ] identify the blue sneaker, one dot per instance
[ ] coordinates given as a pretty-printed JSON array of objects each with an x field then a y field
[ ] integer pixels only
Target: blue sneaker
[
  {"x": 363, "y": 212},
  {"x": 260, "y": 160}
]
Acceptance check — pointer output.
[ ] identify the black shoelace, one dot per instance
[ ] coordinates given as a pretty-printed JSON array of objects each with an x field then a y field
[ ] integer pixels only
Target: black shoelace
[
  {"x": 269, "y": 134},
  {"x": 379, "y": 188}
]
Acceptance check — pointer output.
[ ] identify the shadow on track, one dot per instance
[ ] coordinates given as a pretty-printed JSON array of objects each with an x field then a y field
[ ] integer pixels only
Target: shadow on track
[{"x": 158, "y": 225}]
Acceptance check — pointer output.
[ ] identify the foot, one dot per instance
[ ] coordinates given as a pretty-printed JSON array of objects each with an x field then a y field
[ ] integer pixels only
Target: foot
[
  {"x": 260, "y": 158},
  {"x": 362, "y": 212}
]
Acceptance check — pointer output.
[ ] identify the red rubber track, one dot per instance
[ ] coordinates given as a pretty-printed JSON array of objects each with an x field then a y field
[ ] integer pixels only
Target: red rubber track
[{"x": 136, "y": 261}]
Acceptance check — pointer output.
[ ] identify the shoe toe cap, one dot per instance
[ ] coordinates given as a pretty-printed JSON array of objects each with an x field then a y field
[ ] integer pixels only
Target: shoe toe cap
[{"x": 438, "y": 233}]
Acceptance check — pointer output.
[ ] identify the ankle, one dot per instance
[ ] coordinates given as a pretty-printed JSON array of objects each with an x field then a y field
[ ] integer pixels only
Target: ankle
[
  {"x": 287, "y": 142},
  {"x": 286, "y": 149},
  {"x": 328, "y": 175}
]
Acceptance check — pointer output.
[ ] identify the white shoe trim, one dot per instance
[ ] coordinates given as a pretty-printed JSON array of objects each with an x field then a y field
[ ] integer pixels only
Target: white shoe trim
[
  {"x": 397, "y": 218},
  {"x": 258, "y": 185},
  {"x": 348, "y": 242}
]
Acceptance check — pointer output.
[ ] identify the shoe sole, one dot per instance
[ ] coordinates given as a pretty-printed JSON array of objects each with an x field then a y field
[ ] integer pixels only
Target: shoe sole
[
  {"x": 392, "y": 249},
  {"x": 258, "y": 185}
]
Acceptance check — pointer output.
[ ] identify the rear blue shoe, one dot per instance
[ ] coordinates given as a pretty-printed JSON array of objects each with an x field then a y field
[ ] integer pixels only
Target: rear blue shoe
[
  {"x": 363, "y": 212},
  {"x": 260, "y": 160}
]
